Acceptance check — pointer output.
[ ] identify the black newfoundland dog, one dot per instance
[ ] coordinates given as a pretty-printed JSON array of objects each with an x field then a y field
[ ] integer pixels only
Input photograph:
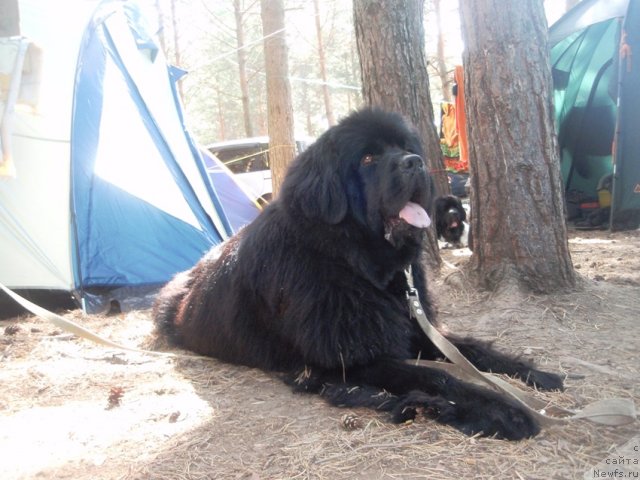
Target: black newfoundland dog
[
  {"x": 450, "y": 217},
  {"x": 315, "y": 288}
]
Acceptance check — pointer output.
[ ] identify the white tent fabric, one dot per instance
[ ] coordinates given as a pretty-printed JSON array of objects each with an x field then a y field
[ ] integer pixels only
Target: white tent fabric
[{"x": 107, "y": 190}]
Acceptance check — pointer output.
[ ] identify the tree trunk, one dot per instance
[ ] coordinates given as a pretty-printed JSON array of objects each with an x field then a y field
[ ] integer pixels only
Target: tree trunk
[
  {"x": 445, "y": 81},
  {"x": 222, "y": 126},
  {"x": 242, "y": 67},
  {"x": 517, "y": 208},
  {"x": 163, "y": 42},
  {"x": 390, "y": 39},
  {"x": 279, "y": 109},
  {"x": 177, "y": 54},
  {"x": 323, "y": 67}
]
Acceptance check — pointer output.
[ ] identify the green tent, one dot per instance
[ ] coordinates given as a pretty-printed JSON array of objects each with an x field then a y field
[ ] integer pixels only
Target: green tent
[{"x": 595, "y": 60}]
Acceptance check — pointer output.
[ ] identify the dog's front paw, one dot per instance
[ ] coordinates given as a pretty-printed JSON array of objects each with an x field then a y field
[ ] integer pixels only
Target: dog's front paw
[
  {"x": 543, "y": 380},
  {"x": 492, "y": 417},
  {"x": 416, "y": 401},
  {"x": 481, "y": 412}
]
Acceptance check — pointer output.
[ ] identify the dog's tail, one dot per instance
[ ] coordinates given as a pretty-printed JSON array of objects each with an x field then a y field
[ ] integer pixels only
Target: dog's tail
[{"x": 167, "y": 306}]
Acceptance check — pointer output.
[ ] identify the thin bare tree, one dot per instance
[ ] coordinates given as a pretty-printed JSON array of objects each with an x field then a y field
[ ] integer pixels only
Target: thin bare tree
[
  {"x": 323, "y": 66},
  {"x": 445, "y": 80},
  {"x": 163, "y": 42},
  {"x": 279, "y": 108},
  {"x": 239, "y": 13},
  {"x": 177, "y": 54},
  {"x": 222, "y": 132}
]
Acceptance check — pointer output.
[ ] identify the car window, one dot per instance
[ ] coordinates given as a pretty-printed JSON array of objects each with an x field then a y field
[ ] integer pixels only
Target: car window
[{"x": 243, "y": 159}]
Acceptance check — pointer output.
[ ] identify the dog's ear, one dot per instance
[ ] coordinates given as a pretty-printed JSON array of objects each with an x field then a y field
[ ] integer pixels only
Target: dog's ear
[{"x": 314, "y": 184}]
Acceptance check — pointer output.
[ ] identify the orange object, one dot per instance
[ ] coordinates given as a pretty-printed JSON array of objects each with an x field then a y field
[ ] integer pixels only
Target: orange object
[
  {"x": 449, "y": 128},
  {"x": 461, "y": 118}
]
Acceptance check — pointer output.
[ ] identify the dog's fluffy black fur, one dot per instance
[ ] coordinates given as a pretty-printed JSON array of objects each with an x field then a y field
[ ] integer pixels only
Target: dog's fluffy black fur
[
  {"x": 450, "y": 217},
  {"x": 315, "y": 288}
]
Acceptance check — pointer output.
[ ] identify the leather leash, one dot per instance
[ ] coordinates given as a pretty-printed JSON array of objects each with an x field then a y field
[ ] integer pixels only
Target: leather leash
[
  {"x": 612, "y": 411},
  {"x": 81, "y": 331}
]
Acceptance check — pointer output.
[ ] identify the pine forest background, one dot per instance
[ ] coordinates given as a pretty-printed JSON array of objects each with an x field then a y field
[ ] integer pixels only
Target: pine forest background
[{"x": 220, "y": 44}]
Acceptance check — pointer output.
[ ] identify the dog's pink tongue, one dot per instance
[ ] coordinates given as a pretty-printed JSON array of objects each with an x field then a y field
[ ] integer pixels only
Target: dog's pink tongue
[{"x": 415, "y": 215}]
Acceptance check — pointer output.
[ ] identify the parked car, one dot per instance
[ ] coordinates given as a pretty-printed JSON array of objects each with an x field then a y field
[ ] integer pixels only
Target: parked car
[{"x": 248, "y": 158}]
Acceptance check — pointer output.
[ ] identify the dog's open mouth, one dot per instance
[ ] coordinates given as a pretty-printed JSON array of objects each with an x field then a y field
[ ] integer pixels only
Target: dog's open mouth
[
  {"x": 411, "y": 214},
  {"x": 415, "y": 215}
]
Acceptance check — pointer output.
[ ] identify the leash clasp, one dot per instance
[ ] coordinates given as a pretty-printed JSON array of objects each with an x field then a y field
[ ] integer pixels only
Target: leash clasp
[{"x": 415, "y": 307}]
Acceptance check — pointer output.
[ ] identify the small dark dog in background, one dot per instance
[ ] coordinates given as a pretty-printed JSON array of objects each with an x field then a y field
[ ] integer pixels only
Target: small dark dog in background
[{"x": 450, "y": 218}]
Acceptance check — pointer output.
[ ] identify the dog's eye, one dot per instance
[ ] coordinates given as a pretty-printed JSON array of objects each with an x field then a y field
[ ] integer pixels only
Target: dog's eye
[{"x": 367, "y": 159}]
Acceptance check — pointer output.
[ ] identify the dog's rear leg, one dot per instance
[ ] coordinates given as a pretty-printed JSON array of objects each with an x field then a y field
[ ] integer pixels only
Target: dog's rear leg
[
  {"x": 487, "y": 359},
  {"x": 168, "y": 302}
]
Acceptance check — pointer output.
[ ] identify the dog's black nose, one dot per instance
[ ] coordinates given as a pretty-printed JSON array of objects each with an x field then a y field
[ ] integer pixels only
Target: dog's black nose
[{"x": 411, "y": 161}]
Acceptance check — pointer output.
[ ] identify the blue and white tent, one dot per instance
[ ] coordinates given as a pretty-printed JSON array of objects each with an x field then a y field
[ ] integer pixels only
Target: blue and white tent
[{"x": 103, "y": 193}]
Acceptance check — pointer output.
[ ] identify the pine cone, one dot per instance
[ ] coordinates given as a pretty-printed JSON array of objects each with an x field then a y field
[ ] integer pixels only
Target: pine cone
[{"x": 351, "y": 422}]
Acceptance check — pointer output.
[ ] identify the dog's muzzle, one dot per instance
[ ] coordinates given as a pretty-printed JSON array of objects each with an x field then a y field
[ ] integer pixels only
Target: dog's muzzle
[{"x": 411, "y": 162}]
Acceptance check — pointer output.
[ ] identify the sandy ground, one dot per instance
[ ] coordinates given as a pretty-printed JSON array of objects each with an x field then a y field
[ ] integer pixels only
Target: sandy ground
[{"x": 71, "y": 409}]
